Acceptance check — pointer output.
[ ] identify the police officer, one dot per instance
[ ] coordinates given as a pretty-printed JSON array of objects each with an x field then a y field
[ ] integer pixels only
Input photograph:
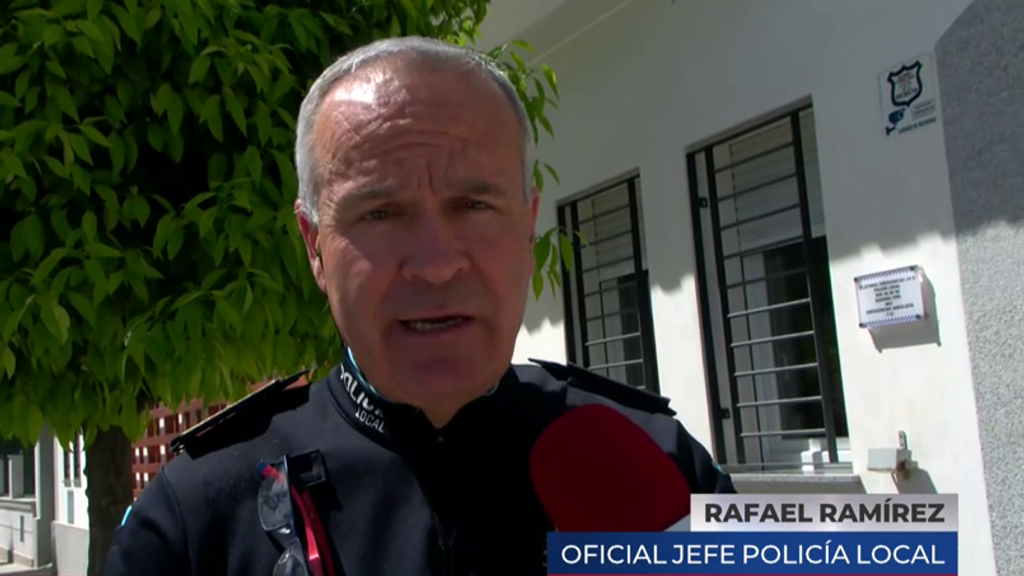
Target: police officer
[{"x": 411, "y": 457}]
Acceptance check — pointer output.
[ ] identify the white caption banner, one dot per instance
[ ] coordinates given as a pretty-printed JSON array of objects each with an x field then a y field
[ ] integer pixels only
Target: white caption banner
[{"x": 823, "y": 512}]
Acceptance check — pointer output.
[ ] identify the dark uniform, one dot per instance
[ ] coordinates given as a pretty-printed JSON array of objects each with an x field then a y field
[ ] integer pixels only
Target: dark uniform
[{"x": 395, "y": 496}]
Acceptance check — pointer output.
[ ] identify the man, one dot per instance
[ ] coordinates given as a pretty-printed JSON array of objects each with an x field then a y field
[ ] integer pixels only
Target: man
[{"x": 411, "y": 458}]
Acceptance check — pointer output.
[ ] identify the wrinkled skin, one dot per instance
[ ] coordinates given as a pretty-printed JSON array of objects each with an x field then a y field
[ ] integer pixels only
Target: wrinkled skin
[{"x": 423, "y": 215}]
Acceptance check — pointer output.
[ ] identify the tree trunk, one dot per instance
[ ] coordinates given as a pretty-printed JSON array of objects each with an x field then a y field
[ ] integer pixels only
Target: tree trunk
[{"x": 108, "y": 471}]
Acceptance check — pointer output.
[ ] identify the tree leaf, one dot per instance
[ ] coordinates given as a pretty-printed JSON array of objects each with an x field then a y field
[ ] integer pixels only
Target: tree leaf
[
  {"x": 95, "y": 272},
  {"x": 254, "y": 162},
  {"x": 80, "y": 146},
  {"x": 64, "y": 100},
  {"x": 89, "y": 226},
  {"x": 138, "y": 208},
  {"x": 155, "y": 136},
  {"x": 57, "y": 70},
  {"x": 160, "y": 99},
  {"x": 94, "y": 135},
  {"x": 206, "y": 221},
  {"x": 175, "y": 112},
  {"x": 93, "y": 8},
  {"x": 542, "y": 248},
  {"x": 56, "y": 319},
  {"x": 286, "y": 170},
  {"x": 59, "y": 223},
  {"x": 554, "y": 173},
  {"x": 163, "y": 229},
  {"x": 9, "y": 60},
  {"x": 139, "y": 287},
  {"x": 567, "y": 252},
  {"x": 128, "y": 23},
  {"x": 175, "y": 239},
  {"x": 92, "y": 31},
  {"x": 100, "y": 250},
  {"x": 200, "y": 66},
  {"x": 47, "y": 265},
  {"x": 116, "y": 153},
  {"x": 84, "y": 307},
  {"x": 12, "y": 164},
  {"x": 9, "y": 361},
  {"x": 7, "y": 100},
  {"x": 228, "y": 312},
  {"x": 52, "y": 34},
  {"x": 264, "y": 123},
  {"x": 211, "y": 115},
  {"x": 234, "y": 105},
  {"x": 27, "y": 237}
]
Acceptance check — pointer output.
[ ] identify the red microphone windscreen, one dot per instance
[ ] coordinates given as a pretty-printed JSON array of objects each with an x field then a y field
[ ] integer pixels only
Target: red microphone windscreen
[{"x": 594, "y": 470}]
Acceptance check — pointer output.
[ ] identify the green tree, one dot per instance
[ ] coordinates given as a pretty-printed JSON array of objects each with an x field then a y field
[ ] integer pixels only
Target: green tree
[{"x": 148, "y": 250}]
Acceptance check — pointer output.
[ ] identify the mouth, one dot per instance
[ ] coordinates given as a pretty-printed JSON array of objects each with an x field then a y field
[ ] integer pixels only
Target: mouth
[{"x": 437, "y": 324}]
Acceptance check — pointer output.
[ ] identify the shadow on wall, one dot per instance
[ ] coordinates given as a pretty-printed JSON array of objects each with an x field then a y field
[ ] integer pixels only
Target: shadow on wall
[
  {"x": 915, "y": 334},
  {"x": 546, "y": 309},
  {"x": 584, "y": 67},
  {"x": 916, "y": 481},
  {"x": 757, "y": 483}
]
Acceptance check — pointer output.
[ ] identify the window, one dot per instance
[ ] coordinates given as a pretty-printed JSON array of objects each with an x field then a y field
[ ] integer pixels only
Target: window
[
  {"x": 76, "y": 459},
  {"x": 766, "y": 306},
  {"x": 67, "y": 467},
  {"x": 609, "y": 328},
  {"x": 28, "y": 471},
  {"x": 5, "y": 479},
  {"x": 18, "y": 474}
]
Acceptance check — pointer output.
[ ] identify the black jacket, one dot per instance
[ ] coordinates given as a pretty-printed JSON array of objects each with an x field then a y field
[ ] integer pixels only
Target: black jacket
[{"x": 400, "y": 498}]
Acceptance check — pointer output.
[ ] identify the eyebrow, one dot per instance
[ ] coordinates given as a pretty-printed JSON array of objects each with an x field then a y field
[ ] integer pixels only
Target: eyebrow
[
  {"x": 475, "y": 188},
  {"x": 356, "y": 198},
  {"x": 479, "y": 189}
]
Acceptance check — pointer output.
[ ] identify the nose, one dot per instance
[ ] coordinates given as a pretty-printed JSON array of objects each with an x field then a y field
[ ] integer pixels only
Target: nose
[{"x": 436, "y": 254}]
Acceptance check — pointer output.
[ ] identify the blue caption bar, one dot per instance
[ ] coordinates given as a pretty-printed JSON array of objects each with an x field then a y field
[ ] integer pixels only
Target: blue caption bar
[{"x": 753, "y": 553}]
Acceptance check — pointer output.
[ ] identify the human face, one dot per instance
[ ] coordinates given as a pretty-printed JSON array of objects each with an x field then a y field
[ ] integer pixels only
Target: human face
[{"x": 425, "y": 232}]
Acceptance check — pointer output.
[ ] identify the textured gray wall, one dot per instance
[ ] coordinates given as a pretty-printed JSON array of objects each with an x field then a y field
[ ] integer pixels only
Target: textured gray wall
[{"x": 981, "y": 75}]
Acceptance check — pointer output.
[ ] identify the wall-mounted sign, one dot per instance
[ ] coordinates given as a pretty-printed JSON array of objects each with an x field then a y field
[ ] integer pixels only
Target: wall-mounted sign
[
  {"x": 910, "y": 96},
  {"x": 891, "y": 297}
]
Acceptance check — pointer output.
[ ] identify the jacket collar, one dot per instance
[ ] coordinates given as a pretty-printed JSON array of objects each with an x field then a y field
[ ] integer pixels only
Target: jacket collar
[{"x": 385, "y": 421}]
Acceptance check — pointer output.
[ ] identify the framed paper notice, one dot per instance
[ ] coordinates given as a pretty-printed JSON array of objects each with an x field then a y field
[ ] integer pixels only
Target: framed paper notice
[{"x": 891, "y": 297}]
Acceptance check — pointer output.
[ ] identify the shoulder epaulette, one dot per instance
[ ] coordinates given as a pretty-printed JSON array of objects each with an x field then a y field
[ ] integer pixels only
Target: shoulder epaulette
[
  {"x": 241, "y": 408},
  {"x": 594, "y": 383}
]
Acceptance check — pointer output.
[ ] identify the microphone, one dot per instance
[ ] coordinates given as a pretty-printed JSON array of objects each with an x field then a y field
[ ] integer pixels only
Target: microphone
[{"x": 594, "y": 470}]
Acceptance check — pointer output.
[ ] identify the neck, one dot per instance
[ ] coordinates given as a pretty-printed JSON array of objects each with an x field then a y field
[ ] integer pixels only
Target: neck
[{"x": 438, "y": 416}]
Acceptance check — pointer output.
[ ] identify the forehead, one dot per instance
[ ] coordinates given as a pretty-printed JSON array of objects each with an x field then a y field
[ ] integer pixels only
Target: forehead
[{"x": 385, "y": 106}]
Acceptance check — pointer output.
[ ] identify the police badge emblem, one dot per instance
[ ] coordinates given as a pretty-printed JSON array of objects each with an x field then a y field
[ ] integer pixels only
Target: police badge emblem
[
  {"x": 909, "y": 95},
  {"x": 906, "y": 85}
]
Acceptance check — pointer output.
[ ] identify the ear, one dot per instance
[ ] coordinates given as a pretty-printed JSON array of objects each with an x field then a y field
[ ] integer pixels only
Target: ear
[
  {"x": 534, "y": 208},
  {"x": 311, "y": 237}
]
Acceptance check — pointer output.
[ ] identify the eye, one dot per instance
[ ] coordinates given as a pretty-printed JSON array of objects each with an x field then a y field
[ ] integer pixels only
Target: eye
[
  {"x": 477, "y": 205},
  {"x": 378, "y": 214}
]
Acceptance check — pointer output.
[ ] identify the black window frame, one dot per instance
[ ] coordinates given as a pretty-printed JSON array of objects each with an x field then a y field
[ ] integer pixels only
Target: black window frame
[
  {"x": 575, "y": 309},
  {"x": 819, "y": 300}
]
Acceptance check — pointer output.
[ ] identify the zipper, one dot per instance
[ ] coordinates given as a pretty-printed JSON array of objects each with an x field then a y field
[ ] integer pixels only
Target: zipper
[{"x": 445, "y": 541}]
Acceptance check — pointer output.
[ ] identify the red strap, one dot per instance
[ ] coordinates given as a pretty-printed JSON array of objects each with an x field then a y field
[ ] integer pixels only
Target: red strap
[
  {"x": 311, "y": 540},
  {"x": 319, "y": 533}
]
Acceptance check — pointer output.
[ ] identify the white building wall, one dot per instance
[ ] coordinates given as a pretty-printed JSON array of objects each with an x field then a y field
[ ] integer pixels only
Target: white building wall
[
  {"x": 643, "y": 85},
  {"x": 72, "y": 505},
  {"x": 18, "y": 524},
  {"x": 71, "y": 525}
]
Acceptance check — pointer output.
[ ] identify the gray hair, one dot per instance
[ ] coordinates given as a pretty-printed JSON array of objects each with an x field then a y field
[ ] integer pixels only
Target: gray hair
[{"x": 439, "y": 52}]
